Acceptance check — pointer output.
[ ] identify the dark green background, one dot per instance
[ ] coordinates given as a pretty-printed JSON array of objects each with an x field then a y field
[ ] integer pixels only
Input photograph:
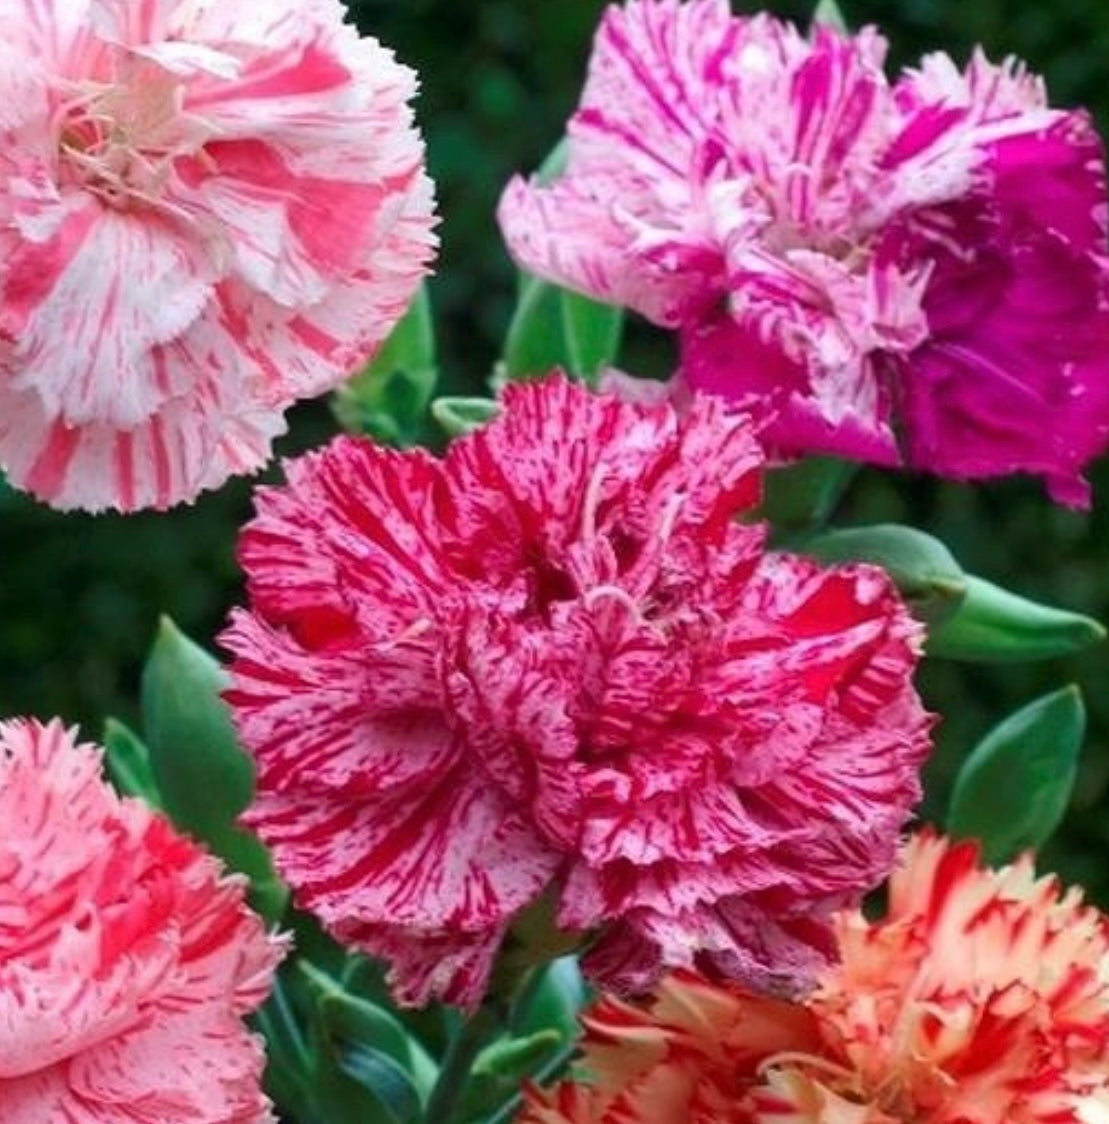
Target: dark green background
[{"x": 80, "y": 596}]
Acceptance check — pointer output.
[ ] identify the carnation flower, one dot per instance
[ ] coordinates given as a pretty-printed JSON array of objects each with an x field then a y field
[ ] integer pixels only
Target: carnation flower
[
  {"x": 126, "y": 962},
  {"x": 207, "y": 212},
  {"x": 551, "y": 672},
  {"x": 981, "y": 998},
  {"x": 909, "y": 273}
]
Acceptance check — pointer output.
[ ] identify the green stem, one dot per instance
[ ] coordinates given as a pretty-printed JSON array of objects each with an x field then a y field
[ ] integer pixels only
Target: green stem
[
  {"x": 524, "y": 995},
  {"x": 464, "y": 1048},
  {"x": 549, "y": 1069}
]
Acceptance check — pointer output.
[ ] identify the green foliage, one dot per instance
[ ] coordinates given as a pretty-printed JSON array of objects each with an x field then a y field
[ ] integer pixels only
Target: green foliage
[
  {"x": 389, "y": 399},
  {"x": 552, "y": 327},
  {"x": 592, "y": 332},
  {"x": 1014, "y": 787},
  {"x": 128, "y": 762},
  {"x": 996, "y": 626},
  {"x": 359, "y": 1057},
  {"x": 499, "y": 1069},
  {"x": 205, "y": 779},
  {"x": 202, "y": 778}
]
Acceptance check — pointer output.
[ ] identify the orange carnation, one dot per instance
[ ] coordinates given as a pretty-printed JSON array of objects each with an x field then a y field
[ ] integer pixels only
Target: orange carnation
[{"x": 981, "y": 998}]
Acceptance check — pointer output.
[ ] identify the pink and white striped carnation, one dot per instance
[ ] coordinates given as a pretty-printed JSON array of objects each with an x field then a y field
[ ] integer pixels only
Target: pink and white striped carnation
[
  {"x": 551, "y": 670},
  {"x": 910, "y": 272},
  {"x": 127, "y": 962},
  {"x": 207, "y": 212}
]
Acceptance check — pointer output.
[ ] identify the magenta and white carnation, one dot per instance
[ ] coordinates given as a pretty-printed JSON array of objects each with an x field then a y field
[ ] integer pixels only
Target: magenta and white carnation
[{"x": 909, "y": 272}]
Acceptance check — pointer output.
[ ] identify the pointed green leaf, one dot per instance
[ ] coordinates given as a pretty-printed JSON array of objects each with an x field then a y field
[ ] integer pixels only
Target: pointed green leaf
[
  {"x": 389, "y": 398},
  {"x": 458, "y": 416},
  {"x": 338, "y": 1096},
  {"x": 411, "y": 344},
  {"x": 128, "y": 763},
  {"x": 828, "y": 13},
  {"x": 993, "y": 625},
  {"x": 204, "y": 779},
  {"x": 922, "y": 568},
  {"x": 513, "y": 1058},
  {"x": 287, "y": 1056},
  {"x": 500, "y": 1068},
  {"x": 555, "y": 328},
  {"x": 355, "y": 1021},
  {"x": 382, "y": 1076},
  {"x": 1014, "y": 787}
]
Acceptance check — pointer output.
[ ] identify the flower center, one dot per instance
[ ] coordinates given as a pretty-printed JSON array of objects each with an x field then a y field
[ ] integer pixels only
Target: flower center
[{"x": 119, "y": 141}]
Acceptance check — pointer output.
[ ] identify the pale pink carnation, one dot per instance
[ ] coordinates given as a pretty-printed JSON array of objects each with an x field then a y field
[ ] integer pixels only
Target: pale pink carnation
[
  {"x": 127, "y": 962},
  {"x": 207, "y": 212},
  {"x": 904, "y": 273},
  {"x": 553, "y": 666}
]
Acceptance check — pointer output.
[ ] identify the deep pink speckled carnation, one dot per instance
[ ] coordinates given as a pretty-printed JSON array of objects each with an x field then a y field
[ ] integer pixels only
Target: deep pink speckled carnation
[
  {"x": 552, "y": 664},
  {"x": 904, "y": 273},
  {"x": 126, "y": 962}
]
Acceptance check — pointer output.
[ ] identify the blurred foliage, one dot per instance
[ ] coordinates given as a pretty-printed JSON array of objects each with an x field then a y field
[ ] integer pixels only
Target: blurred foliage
[{"x": 80, "y": 596}]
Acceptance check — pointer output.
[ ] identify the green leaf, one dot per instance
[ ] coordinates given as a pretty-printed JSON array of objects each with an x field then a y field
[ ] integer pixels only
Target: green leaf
[
  {"x": 513, "y": 1058},
  {"x": 384, "y": 1078},
  {"x": 411, "y": 344},
  {"x": 554, "y": 1000},
  {"x": 592, "y": 332},
  {"x": 828, "y": 13},
  {"x": 204, "y": 779},
  {"x": 128, "y": 763},
  {"x": 922, "y": 568},
  {"x": 355, "y": 1021},
  {"x": 389, "y": 398},
  {"x": 287, "y": 1055},
  {"x": 536, "y": 340},
  {"x": 339, "y": 1096},
  {"x": 459, "y": 416},
  {"x": 499, "y": 1069},
  {"x": 553, "y": 327},
  {"x": 1014, "y": 787},
  {"x": 993, "y": 625}
]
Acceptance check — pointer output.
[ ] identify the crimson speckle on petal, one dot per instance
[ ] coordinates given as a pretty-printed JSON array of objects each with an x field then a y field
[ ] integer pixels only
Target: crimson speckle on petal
[{"x": 552, "y": 664}]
